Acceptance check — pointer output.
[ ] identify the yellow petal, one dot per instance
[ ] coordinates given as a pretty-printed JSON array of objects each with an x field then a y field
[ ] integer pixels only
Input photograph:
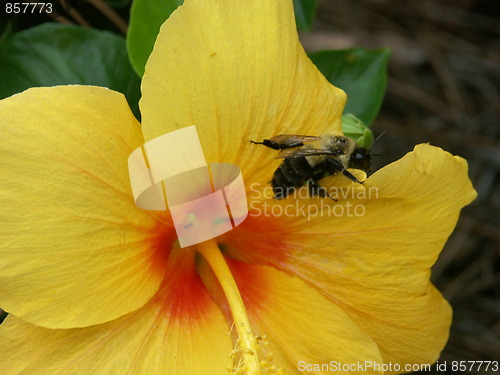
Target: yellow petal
[
  {"x": 180, "y": 331},
  {"x": 237, "y": 71},
  {"x": 302, "y": 327},
  {"x": 376, "y": 266},
  {"x": 74, "y": 248}
]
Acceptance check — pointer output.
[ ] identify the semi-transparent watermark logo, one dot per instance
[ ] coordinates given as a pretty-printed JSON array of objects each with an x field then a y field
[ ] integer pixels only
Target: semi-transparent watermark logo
[{"x": 205, "y": 201}]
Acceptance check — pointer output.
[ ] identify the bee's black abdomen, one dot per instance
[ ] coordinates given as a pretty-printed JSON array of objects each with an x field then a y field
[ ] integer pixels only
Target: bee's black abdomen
[
  {"x": 280, "y": 190},
  {"x": 329, "y": 167},
  {"x": 292, "y": 173}
]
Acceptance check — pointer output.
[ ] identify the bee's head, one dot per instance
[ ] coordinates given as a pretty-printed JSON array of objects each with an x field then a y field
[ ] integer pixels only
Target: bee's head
[{"x": 361, "y": 159}]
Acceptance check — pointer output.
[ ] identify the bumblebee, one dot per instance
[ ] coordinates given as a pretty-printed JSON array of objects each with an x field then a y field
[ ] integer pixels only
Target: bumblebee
[{"x": 309, "y": 159}]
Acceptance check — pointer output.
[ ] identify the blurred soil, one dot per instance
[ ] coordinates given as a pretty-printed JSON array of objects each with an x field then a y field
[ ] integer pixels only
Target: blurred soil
[{"x": 443, "y": 88}]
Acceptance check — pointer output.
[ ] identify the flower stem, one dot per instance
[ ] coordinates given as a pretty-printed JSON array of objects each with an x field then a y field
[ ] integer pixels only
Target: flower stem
[{"x": 247, "y": 340}]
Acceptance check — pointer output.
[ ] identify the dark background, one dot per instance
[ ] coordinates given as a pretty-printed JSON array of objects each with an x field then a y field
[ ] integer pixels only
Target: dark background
[{"x": 443, "y": 89}]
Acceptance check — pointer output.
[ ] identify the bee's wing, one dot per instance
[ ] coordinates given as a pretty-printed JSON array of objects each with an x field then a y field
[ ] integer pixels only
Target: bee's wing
[
  {"x": 292, "y": 140},
  {"x": 284, "y": 141},
  {"x": 300, "y": 152}
]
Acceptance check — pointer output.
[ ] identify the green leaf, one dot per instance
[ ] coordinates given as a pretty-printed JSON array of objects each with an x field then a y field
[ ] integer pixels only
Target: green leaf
[
  {"x": 305, "y": 10},
  {"x": 5, "y": 31},
  {"x": 53, "y": 54},
  {"x": 354, "y": 128},
  {"x": 361, "y": 73},
  {"x": 146, "y": 17}
]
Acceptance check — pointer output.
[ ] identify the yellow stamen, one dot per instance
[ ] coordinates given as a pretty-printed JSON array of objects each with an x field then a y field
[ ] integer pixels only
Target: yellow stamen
[{"x": 246, "y": 339}]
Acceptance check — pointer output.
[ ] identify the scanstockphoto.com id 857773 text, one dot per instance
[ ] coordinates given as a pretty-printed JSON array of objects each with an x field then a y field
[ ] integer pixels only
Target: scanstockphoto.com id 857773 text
[
  {"x": 363, "y": 366},
  {"x": 360, "y": 367}
]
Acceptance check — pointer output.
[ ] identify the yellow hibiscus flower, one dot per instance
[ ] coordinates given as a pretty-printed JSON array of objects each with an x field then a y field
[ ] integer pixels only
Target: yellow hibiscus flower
[{"x": 95, "y": 285}]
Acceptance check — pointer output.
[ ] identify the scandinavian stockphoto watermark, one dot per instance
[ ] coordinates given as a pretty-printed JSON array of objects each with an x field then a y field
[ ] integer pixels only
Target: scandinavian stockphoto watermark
[{"x": 342, "y": 202}]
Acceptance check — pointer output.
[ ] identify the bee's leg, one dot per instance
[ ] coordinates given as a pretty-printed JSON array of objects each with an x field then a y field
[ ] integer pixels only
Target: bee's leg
[
  {"x": 351, "y": 177},
  {"x": 316, "y": 190}
]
